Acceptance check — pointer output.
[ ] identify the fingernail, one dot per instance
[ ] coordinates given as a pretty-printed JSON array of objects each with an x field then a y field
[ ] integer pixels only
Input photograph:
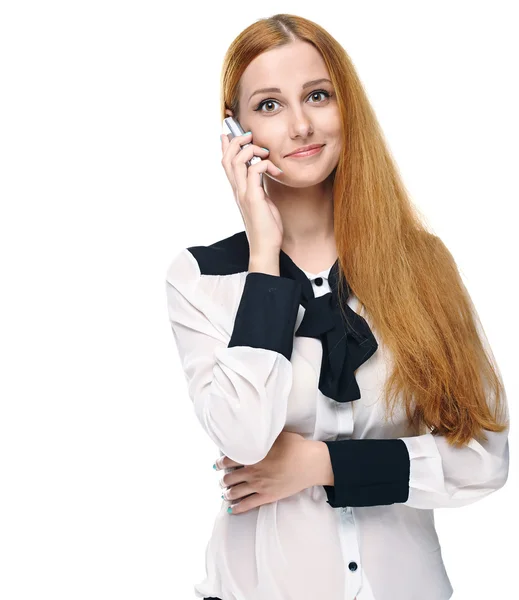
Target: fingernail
[
  {"x": 215, "y": 467},
  {"x": 266, "y": 149},
  {"x": 223, "y": 497},
  {"x": 229, "y": 510}
]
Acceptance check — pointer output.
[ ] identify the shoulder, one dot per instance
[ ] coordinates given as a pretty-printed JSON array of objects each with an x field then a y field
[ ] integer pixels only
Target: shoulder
[{"x": 224, "y": 257}]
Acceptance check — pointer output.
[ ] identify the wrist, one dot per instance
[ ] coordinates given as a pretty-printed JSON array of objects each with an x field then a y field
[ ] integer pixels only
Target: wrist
[
  {"x": 321, "y": 471},
  {"x": 267, "y": 265}
]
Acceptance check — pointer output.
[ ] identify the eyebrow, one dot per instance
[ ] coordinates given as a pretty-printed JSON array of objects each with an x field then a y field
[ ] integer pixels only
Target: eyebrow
[{"x": 274, "y": 89}]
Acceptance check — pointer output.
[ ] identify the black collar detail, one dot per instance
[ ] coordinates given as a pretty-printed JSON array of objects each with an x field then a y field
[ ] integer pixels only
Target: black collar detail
[{"x": 346, "y": 344}]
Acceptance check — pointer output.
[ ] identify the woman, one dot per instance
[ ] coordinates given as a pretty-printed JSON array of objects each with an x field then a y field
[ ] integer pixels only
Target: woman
[{"x": 339, "y": 433}]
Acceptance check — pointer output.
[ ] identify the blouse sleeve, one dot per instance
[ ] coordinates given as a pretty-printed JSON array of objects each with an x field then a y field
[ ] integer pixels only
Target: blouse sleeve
[
  {"x": 238, "y": 373},
  {"x": 442, "y": 476},
  {"x": 422, "y": 471}
]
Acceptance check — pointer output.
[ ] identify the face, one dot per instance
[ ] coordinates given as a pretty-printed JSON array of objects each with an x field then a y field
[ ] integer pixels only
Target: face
[{"x": 295, "y": 116}]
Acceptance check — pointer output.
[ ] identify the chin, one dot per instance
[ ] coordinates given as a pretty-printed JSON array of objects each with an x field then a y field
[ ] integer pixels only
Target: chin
[{"x": 305, "y": 177}]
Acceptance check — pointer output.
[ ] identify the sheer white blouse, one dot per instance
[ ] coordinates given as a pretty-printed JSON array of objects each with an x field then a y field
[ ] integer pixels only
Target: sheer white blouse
[{"x": 371, "y": 536}]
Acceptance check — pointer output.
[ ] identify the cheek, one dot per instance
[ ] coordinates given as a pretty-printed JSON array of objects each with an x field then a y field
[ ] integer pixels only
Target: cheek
[
  {"x": 334, "y": 142},
  {"x": 334, "y": 129},
  {"x": 337, "y": 137}
]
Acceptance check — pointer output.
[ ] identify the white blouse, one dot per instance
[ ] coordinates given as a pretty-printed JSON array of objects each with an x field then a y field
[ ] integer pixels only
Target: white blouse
[{"x": 371, "y": 536}]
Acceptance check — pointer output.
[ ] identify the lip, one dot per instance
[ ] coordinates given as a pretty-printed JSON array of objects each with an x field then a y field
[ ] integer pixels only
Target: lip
[{"x": 307, "y": 151}]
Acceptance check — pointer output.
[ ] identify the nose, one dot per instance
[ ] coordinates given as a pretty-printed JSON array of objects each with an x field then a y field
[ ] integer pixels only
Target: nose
[{"x": 301, "y": 125}]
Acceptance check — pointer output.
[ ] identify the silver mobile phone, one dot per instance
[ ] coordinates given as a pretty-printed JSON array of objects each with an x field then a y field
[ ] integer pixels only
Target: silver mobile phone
[{"x": 235, "y": 129}]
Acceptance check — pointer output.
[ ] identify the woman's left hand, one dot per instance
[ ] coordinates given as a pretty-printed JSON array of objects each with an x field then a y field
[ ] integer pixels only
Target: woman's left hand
[{"x": 288, "y": 468}]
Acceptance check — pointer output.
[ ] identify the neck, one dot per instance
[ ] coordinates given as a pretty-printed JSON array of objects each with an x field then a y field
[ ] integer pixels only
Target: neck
[{"x": 306, "y": 213}]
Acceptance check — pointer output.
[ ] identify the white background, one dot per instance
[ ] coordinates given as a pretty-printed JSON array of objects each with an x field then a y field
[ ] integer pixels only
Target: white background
[{"x": 110, "y": 164}]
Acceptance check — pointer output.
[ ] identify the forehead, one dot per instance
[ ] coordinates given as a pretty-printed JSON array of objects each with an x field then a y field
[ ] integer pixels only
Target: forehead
[{"x": 293, "y": 64}]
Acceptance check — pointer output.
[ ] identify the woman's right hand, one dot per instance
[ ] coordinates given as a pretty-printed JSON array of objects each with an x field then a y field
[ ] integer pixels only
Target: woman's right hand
[{"x": 261, "y": 217}]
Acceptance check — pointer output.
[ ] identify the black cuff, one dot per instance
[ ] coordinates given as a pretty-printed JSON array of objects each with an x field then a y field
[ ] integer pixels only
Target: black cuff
[
  {"x": 368, "y": 472},
  {"x": 267, "y": 313}
]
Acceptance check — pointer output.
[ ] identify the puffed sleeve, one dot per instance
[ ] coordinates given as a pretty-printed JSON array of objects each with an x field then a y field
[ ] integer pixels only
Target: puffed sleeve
[
  {"x": 238, "y": 371},
  {"x": 445, "y": 476}
]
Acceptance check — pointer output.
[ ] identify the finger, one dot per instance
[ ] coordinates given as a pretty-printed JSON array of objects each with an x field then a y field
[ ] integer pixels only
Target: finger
[
  {"x": 252, "y": 176},
  {"x": 224, "y": 462},
  {"x": 240, "y": 150},
  {"x": 239, "y": 163},
  {"x": 240, "y": 166},
  {"x": 232, "y": 145},
  {"x": 240, "y": 143},
  {"x": 227, "y": 167},
  {"x": 236, "y": 159},
  {"x": 224, "y": 139},
  {"x": 239, "y": 140},
  {"x": 248, "y": 503},
  {"x": 231, "y": 148},
  {"x": 238, "y": 475},
  {"x": 237, "y": 492}
]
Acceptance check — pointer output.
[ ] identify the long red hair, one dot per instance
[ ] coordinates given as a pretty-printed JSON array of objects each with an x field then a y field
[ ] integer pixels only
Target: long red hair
[{"x": 402, "y": 274}]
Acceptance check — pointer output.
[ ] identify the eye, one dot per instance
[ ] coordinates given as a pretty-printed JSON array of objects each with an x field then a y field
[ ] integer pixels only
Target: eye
[{"x": 270, "y": 100}]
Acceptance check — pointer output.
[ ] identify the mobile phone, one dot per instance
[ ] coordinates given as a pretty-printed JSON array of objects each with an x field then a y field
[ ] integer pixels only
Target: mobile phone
[{"x": 235, "y": 129}]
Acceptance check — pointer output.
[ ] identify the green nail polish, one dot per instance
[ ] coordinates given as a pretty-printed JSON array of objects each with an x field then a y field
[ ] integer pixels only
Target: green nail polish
[
  {"x": 229, "y": 510},
  {"x": 214, "y": 466},
  {"x": 223, "y": 497}
]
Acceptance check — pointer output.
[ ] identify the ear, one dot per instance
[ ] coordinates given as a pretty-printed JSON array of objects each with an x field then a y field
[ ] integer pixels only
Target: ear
[{"x": 229, "y": 112}]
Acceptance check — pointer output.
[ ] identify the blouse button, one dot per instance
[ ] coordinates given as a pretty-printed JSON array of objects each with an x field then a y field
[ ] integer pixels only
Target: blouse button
[
  {"x": 318, "y": 281},
  {"x": 352, "y": 566}
]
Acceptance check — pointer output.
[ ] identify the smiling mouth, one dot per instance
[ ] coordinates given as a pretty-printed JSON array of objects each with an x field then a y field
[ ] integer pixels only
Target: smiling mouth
[{"x": 304, "y": 153}]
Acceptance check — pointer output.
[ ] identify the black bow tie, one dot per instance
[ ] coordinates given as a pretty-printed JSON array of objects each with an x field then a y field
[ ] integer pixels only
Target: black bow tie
[{"x": 346, "y": 345}]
